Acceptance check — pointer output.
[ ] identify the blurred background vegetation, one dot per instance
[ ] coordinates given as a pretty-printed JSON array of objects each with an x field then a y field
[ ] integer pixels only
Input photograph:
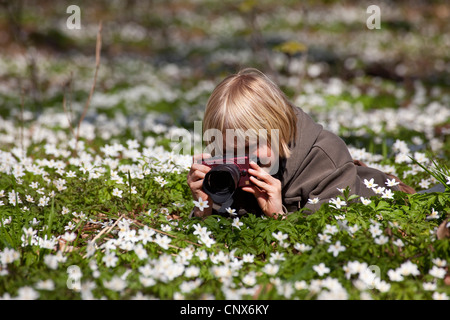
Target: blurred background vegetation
[{"x": 182, "y": 48}]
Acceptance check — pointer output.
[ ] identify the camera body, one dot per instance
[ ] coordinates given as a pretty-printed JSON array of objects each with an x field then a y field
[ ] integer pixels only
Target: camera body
[{"x": 239, "y": 164}]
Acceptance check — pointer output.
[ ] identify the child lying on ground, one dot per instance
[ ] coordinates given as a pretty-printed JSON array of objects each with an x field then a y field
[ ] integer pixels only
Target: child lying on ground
[{"x": 301, "y": 165}]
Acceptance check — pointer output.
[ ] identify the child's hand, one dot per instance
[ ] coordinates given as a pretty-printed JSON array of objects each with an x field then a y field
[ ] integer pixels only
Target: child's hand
[
  {"x": 195, "y": 181},
  {"x": 266, "y": 189}
]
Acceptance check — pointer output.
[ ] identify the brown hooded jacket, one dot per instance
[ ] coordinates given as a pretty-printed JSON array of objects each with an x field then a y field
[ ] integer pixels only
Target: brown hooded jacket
[{"x": 320, "y": 163}]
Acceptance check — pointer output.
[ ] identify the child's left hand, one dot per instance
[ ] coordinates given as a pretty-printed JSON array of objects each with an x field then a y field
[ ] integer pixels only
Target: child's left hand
[{"x": 266, "y": 189}]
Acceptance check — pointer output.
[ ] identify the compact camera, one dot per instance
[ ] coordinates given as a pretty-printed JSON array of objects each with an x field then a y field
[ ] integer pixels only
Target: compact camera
[{"x": 225, "y": 176}]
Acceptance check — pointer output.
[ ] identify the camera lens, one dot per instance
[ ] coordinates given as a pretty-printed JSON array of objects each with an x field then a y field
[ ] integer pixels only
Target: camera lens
[{"x": 221, "y": 182}]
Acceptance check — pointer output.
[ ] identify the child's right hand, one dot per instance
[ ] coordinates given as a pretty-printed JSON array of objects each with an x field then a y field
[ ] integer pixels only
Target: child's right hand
[{"x": 195, "y": 181}]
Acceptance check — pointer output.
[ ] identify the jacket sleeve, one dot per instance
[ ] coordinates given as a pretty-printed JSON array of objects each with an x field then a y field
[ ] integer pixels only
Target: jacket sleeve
[
  {"x": 320, "y": 177},
  {"x": 329, "y": 181}
]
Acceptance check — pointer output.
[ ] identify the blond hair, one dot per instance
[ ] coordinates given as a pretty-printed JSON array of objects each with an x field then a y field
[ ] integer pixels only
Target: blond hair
[{"x": 250, "y": 101}]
